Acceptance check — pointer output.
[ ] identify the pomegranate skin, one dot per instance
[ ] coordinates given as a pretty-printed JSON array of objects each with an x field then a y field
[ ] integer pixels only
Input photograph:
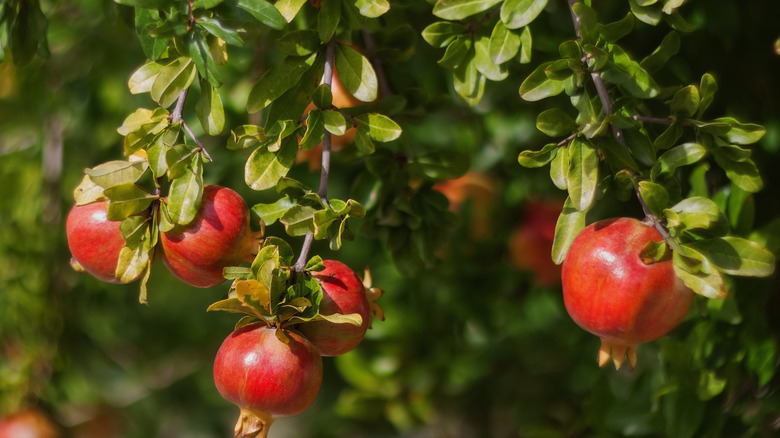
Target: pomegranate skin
[
  {"x": 94, "y": 241},
  {"x": 257, "y": 372},
  {"x": 218, "y": 237},
  {"x": 609, "y": 291},
  {"x": 343, "y": 292}
]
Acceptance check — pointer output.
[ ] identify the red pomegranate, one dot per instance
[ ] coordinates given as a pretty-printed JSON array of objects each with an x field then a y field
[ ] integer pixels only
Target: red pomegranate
[
  {"x": 94, "y": 241},
  {"x": 218, "y": 237},
  {"x": 531, "y": 242},
  {"x": 267, "y": 374},
  {"x": 343, "y": 292},
  {"x": 611, "y": 292}
]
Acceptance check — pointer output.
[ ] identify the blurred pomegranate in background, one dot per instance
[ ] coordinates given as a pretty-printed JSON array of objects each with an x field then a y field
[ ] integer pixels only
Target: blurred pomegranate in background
[
  {"x": 479, "y": 189},
  {"x": 530, "y": 245}
]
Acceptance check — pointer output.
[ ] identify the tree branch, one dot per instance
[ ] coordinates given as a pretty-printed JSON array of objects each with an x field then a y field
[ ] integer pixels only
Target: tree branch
[
  {"x": 177, "y": 117},
  {"x": 322, "y": 191}
]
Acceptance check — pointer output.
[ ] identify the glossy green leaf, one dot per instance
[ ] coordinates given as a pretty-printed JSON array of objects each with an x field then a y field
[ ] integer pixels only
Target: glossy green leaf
[
  {"x": 264, "y": 12},
  {"x": 363, "y": 141},
  {"x": 216, "y": 27},
  {"x": 697, "y": 274},
  {"x": 583, "y": 174},
  {"x": 559, "y": 168},
  {"x": 504, "y": 43},
  {"x": 531, "y": 159},
  {"x": 538, "y": 86},
  {"x": 518, "y": 13},
  {"x": 613, "y": 32},
  {"x": 617, "y": 156},
  {"x": 441, "y": 33},
  {"x": 655, "y": 196},
  {"x": 134, "y": 259},
  {"x": 200, "y": 52},
  {"x": 145, "y": 120},
  {"x": 315, "y": 130},
  {"x": 569, "y": 224},
  {"x": 669, "y": 137},
  {"x": 372, "y": 8},
  {"x": 685, "y": 102},
  {"x": 172, "y": 80},
  {"x": 460, "y": 9},
  {"x": 142, "y": 79},
  {"x": 379, "y": 127},
  {"x": 678, "y": 156},
  {"x": 669, "y": 47},
  {"x": 270, "y": 213},
  {"x": 469, "y": 83},
  {"x": 629, "y": 75},
  {"x": 742, "y": 173},
  {"x": 526, "y": 40},
  {"x": 356, "y": 73},
  {"x": 147, "y": 4},
  {"x": 277, "y": 80},
  {"x": 458, "y": 52},
  {"x": 185, "y": 193},
  {"x": 289, "y": 8},
  {"x": 328, "y": 19},
  {"x": 298, "y": 220},
  {"x": 707, "y": 89},
  {"x": 209, "y": 109},
  {"x": 116, "y": 172},
  {"x": 741, "y": 133},
  {"x": 335, "y": 123},
  {"x": 736, "y": 256},
  {"x": 485, "y": 64},
  {"x": 555, "y": 122},
  {"x": 302, "y": 42},
  {"x": 155, "y": 155},
  {"x": 264, "y": 168},
  {"x": 245, "y": 136},
  {"x": 650, "y": 13},
  {"x": 126, "y": 200}
]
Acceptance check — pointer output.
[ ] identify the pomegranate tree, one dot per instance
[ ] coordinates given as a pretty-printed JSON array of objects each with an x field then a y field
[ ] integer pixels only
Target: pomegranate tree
[
  {"x": 268, "y": 374},
  {"x": 218, "y": 237},
  {"x": 612, "y": 292},
  {"x": 343, "y": 292},
  {"x": 94, "y": 241}
]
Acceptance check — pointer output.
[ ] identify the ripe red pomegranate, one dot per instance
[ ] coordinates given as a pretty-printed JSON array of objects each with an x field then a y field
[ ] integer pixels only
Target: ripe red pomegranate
[
  {"x": 94, "y": 241},
  {"x": 530, "y": 245},
  {"x": 343, "y": 292},
  {"x": 266, "y": 377},
  {"x": 218, "y": 237},
  {"x": 31, "y": 423},
  {"x": 611, "y": 292}
]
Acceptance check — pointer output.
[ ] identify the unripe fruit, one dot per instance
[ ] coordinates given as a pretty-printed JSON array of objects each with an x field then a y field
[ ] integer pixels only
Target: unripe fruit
[
  {"x": 94, "y": 241},
  {"x": 265, "y": 376},
  {"x": 343, "y": 292},
  {"x": 610, "y": 291},
  {"x": 218, "y": 237}
]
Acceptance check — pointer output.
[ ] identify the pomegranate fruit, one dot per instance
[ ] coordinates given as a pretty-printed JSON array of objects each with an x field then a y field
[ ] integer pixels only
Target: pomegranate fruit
[
  {"x": 265, "y": 376},
  {"x": 343, "y": 292},
  {"x": 218, "y": 237},
  {"x": 530, "y": 245},
  {"x": 94, "y": 241},
  {"x": 482, "y": 191},
  {"x": 610, "y": 291},
  {"x": 30, "y": 423}
]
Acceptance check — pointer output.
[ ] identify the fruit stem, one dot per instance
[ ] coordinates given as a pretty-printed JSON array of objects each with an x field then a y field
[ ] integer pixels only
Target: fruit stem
[{"x": 253, "y": 423}]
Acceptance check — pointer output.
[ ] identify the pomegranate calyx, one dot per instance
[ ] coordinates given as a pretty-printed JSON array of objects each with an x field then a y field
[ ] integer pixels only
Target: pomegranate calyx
[
  {"x": 618, "y": 353},
  {"x": 253, "y": 423}
]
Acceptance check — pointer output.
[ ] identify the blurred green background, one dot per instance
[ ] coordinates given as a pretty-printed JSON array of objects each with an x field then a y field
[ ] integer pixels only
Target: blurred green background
[{"x": 472, "y": 346}]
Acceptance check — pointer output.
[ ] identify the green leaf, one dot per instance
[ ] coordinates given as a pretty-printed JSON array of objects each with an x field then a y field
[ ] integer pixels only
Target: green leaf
[
  {"x": 289, "y": 8},
  {"x": 707, "y": 89},
  {"x": 460, "y": 9},
  {"x": 641, "y": 147},
  {"x": 741, "y": 133},
  {"x": 559, "y": 168},
  {"x": 277, "y": 80},
  {"x": 615, "y": 154},
  {"x": 116, "y": 172},
  {"x": 538, "y": 86},
  {"x": 685, "y": 102},
  {"x": 297, "y": 220},
  {"x": 145, "y": 120},
  {"x": 441, "y": 33},
  {"x": 655, "y": 196},
  {"x": 328, "y": 19},
  {"x": 219, "y": 29},
  {"x": 245, "y": 136},
  {"x": 504, "y": 43},
  {"x": 669, "y": 137},
  {"x": 335, "y": 123},
  {"x": 628, "y": 74},
  {"x": 485, "y": 64},
  {"x": 742, "y": 173},
  {"x": 646, "y": 12},
  {"x": 142, "y": 79},
  {"x": 736, "y": 256},
  {"x": 527, "y": 44},
  {"x": 302, "y": 42},
  {"x": 363, "y": 141},
  {"x": 678, "y": 156},
  {"x": 209, "y": 109},
  {"x": 185, "y": 194},
  {"x": 264, "y": 168},
  {"x": 583, "y": 174},
  {"x": 570, "y": 222},
  {"x": 372, "y": 8},
  {"x": 134, "y": 258},
  {"x": 469, "y": 83},
  {"x": 441, "y": 165},
  {"x": 356, "y": 73},
  {"x": 669, "y": 47},
  {"x": 146, "y": 4},
  {"x": 379, "y": 127},
  {"x": 697, "y": 274},
  {"x": 555, "y": 122},
  {"x": 315, "y": 130},
  {"x": 533, "y": 159},
  {"x": 270, "y": 213},
  {"x": 200, "y": 52},
  {"x": 458, "y": 52},
  {"x": 87, "y": 192},
  {"x": 264, "y": 12},
  {"x": 126, "y": 200},
  {"x": 613, "y": 32},
  {"x": 518, "y": 13},
  {"x": 172, "y": 80}
]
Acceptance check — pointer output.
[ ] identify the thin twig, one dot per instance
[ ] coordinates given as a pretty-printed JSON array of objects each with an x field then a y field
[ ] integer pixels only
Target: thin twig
[
  {"x": 177, "y": 117},
  {"x": 322, "y": 191}
]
